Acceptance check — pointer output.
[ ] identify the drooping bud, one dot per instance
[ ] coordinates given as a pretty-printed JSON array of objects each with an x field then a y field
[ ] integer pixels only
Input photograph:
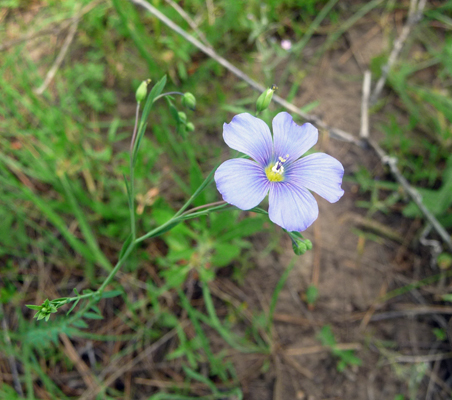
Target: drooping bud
[
  {"x": 182, "y": 117},
  {"x": 189, "y": 101},
  {"x": 190, "y": 127},
  {"x": 265, "y": 98},
  {"x": 299, "y": 247},
  {"x": 142, "y": 91}
]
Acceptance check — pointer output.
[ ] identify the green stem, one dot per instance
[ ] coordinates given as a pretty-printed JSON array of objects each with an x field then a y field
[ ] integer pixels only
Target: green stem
[
  {"x": 166, "y": 94},
  {"x": 132, "y": 177},
  {"x": 176, "y": 219},
  {"x": 278, "y": 288},
  {"x": 118, "y": 265},
  {"x": 81, "y": 297},
  {"x": 217, "y": 203},
  {"x": 198, "y": 191}
]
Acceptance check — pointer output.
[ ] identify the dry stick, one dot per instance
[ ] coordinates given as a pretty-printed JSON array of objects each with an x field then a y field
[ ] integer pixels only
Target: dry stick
[
  {"x": 51, "y": 74},
  {"x": 392, "y": 162},
  {"x": 91, "y": 393},
  {"x": 302, "y": 351},
  {"x": 30, "y": 36},
  {"x": 413, "y": 193},
  {"x": 193, "y": 24},
  {"x": 364, "y": 131},
  {"x": 431, "y": 383},
  {"x": 413, "y": 18},
  {"x": 294, "y": 364},
  {"x": 423, "y": 358},
  {"x": 12, "y": 361},
  {"x": 334, "y": 132},
  {"x": 55, "y": 30},
  {"x": 80, "y": 365}
]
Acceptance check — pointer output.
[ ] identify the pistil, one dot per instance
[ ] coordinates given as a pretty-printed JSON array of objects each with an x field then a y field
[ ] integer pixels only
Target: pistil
[{"x": 275, "y": 172}]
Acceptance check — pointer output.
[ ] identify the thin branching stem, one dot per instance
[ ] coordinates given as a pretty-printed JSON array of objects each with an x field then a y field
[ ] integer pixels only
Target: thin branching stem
[
  {"x": 167, "y": 94},
  {"x": 132, "y": 177}
]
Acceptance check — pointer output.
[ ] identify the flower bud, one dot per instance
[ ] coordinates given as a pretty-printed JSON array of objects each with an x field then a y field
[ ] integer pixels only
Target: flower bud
[
  {"x": 182, "y": 117},
  {"x": 190, "y": 127},
  {"x": 189, "y": 101},
  {"x": 308, "y": 244},
  {"x": 142, "y": 91},
  {"x": 265, "y": 98},
  {"x": 299, "y": 247}
]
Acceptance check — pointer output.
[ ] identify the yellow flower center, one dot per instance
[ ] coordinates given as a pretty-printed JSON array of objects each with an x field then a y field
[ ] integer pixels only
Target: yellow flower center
[{"x": 275, "y": 171}]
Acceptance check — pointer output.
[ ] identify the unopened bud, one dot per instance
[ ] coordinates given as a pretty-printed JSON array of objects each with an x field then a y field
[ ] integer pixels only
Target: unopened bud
[
  {"x": 308, "y": 244},
  {"x": 190, "y": 127},
  {"x": 142, "y": 91},
  {"x": 189, "y": 101},
  {"x": 265, "y": 98},
  {"x": 182, "y": 117},
  {"x": 299, "y": 247}
]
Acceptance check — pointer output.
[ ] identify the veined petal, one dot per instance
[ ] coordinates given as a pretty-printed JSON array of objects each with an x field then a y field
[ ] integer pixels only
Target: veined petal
[
  {"x": 292, "y": 139},
  {"x": 249, "y": 135},
  {"x": 320, "y": 173},
  {"x": 292, "y": 207},
  {"x": 242, "y": 183}
]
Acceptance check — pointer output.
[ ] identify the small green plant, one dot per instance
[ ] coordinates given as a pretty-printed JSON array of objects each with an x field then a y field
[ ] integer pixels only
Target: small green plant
[
  {"x": 312, "y": 294},
  {"x": 345, "y": 357}
]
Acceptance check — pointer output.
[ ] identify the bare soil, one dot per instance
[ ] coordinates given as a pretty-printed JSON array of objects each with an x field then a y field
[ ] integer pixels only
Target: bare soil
[{"x": 352, "y": 272}]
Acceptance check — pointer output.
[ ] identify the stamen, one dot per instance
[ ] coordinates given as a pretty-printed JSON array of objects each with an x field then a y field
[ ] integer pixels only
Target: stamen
[{"x": 275, "y": 174}]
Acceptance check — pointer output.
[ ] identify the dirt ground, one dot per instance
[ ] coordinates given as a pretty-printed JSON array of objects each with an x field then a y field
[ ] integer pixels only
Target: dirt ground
[{"x": 352, "y": 272}]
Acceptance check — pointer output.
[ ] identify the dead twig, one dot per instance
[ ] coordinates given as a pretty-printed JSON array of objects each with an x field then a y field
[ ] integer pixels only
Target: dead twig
[
  {"x": 431, "y": 383},
  {"x": 334, "y": 132},
  {"x": 291, "y": 319},
  {"x": 53, "y": 70},
  {"x": 414, "y": 16},
  {"x": 364, "y": 131},
  {"x": 295, "y": 365},
  {"x": 391, "y": 162},
  {"x": 189, "y": 20},
  {"x": 422, "y": 358},
  {"x": 92, "y": 392},
  {"x": 30, "y": 36},
  {"x": 82, "y": 368},
  {"x": 303, "y": 351},
  {"x": 372, "y": 225},
  {"x": 369, "y": 314},
  {"x": 11, "y": 360}
]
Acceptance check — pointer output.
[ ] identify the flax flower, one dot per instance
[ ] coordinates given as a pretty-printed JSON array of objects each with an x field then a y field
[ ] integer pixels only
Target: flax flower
[{"x": 276, "y": 168}]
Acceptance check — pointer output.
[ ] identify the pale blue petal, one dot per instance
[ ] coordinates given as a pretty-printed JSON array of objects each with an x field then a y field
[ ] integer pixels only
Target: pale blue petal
[
  {"x": 249, "y": 135},
  {"x": 292, "y": 139},
  {"x": 242, "y": 183},
  {"x": 291, "y": 207},
  {"x": 320, "y": 173}
]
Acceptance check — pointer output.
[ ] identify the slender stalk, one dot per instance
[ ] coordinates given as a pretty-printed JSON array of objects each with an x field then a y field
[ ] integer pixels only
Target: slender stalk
[
  {"x": 199, "y": 190},
  {"x": 278, "y": 288},
  {"x": 132, "y": 142},
  {"x": 118, "y": 265},
  {"x": 81, "y": 297},
  {"x": 217, "y": 203},
  {"x": 132, "y": 178},
  {"x": 167, "y": 94}
]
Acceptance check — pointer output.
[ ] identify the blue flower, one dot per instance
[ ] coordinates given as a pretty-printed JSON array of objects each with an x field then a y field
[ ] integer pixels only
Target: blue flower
[{"x": 277, "y": 168}]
